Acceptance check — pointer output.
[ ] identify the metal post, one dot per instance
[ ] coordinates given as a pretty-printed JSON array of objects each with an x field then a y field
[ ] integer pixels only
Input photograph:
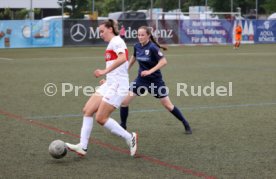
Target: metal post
[
  {"x": 62, "y": 19},
  {"x": 123, "y": 5},
  {"x": 62, "y": 10},
  {"x": 256, "y": 9},
  {"x": 231, "y": 7},
  {"x": 206, "y": 4},
  {"x": 31, "y": 10},
  {"x": 239, "y": 11},
  {"x": 151, "y": 6},
  {"x": 93, "y": 6}
]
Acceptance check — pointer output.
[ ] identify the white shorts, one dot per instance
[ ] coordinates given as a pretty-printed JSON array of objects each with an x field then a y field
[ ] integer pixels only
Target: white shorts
[{"x": 114, "y": 93}]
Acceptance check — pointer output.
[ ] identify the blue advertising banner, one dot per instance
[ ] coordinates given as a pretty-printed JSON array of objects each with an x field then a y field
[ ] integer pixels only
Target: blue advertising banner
[
  {"x": 49, "y": 33},
  {"x": 265, "y": 31},
  {"x": 165, "y": 31},
  {"x": 205, "y": 32},
  {"x": 26, "y": 33}
]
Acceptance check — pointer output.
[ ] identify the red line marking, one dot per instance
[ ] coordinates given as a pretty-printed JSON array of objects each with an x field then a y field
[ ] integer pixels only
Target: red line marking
[{"x": 108, "y": 146}]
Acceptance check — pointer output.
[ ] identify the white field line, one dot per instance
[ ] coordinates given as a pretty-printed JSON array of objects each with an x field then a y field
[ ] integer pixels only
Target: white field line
[{"x": 192, "y": 108}]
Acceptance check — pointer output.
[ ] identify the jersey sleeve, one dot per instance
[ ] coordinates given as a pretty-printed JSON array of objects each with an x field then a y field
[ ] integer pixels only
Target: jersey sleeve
[
  {"x": 156, "y": 52},
  {"x": 119, "y": 47},
  {"x": 134, "y": 51}
]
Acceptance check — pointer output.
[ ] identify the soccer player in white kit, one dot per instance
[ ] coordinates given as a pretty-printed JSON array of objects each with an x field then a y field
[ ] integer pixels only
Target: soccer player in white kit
[{"x": 110, "y": 94}]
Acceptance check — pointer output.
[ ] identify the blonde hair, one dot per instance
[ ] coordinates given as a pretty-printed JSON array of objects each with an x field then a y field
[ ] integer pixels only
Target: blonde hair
[{"x": 148, "y": 31}]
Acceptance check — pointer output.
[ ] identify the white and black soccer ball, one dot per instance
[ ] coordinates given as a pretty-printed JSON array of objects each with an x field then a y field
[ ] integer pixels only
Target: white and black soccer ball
[{"x": 57, "y": 149}]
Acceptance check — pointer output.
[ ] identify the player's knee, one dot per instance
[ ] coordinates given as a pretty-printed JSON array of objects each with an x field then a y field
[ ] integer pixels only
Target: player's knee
[
  {"x": 124, "y": 104},
  {"x": 101, "y": 122},
  {"x": 101, "y": 119},
  {"x": 87, "y": 112},
  {"x": 168, "y": 106}
]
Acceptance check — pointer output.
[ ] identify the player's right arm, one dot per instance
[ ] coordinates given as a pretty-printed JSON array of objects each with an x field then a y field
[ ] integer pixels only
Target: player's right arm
[
  {"x": 132, "y": 58},
  {"x": 131, "y": 62}
]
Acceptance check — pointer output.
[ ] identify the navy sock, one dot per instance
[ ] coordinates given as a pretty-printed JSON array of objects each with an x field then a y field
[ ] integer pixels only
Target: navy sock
[
  {"x": 124, "y": 115},
  {"x": 177, "y": 113}
]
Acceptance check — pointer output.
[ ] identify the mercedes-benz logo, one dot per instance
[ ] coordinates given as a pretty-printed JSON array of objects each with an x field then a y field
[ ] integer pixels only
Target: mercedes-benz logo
[{"x": 78, "y": 32}]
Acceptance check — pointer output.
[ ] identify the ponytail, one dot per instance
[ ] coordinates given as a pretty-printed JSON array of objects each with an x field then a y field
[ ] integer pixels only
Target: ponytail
[
  {"x": 158, "y": 45},
  {"x": 110, "y": 23}
]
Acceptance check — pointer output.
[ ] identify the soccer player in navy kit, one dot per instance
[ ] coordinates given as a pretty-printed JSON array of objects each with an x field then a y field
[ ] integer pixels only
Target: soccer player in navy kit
[{"x": 151, "y": 60}]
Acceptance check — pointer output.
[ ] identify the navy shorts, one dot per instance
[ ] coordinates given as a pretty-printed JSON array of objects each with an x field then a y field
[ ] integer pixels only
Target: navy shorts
[{"x": 157, "y": 89}]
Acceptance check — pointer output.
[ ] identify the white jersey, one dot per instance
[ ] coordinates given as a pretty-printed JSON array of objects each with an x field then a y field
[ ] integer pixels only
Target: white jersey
[
  {"x": 115, "y": 89},
  {"x": 116, "y": 46}
]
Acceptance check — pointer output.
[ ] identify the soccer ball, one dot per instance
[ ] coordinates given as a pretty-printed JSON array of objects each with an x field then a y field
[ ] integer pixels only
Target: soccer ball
[{"x": 57, "y": 149}]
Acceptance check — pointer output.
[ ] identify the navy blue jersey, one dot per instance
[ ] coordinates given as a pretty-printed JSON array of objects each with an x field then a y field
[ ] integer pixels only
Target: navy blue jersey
[{"x": 148, "y": 56}]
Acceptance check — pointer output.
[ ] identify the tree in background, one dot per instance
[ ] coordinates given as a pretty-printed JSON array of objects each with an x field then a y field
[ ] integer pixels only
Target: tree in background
[
  {"x": 6, "y": 14},
  {"x": 166, "y": 5},
  {"x": 264, "y": 6},
  {"x": 269, "y": 6},
  {"x": 21, "y": 14},
  {"x": 136, "y": 5},
  {"x": 103, "y": 7},
  {"x": 17, "y": 14},
  {"x": 75, "y": 8}
]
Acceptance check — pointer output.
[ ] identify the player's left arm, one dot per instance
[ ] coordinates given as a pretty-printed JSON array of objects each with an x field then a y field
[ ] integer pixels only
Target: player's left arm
[{"x": 161, "y": 63}]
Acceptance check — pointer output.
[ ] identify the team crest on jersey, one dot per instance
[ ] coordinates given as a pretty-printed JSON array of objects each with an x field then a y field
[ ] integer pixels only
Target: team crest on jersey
[
  {"x": 160, "y": 53},
  {"x": 107, "y": 56},
  {"x": 147, "y": 52}
]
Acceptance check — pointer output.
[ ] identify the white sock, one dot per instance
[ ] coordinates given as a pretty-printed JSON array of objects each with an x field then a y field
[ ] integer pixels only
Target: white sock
[
  {"x": 86, "y": 129},
  {"x": 116, "y": 129}
]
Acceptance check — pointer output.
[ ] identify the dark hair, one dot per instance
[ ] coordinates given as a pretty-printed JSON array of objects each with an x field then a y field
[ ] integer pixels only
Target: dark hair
[
  {"x": 110, "y": 23},
  {"x": 148, "y": 31}
]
